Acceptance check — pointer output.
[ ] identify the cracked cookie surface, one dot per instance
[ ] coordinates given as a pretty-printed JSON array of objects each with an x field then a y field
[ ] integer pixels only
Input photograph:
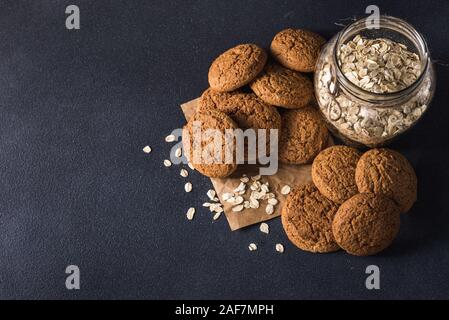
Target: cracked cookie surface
[
  {"x": 246, "y": 109},
  {"x": 209, "y": 155},
  {"x": 333, "y": 172},
  {"x": 303, "y": 135},
  {"x": 283, "y": 87},
  {"x": 387, "y": 172},
  {"x": 366, "y": 224},
  {"x": 297, "y": 49},
  {"x": 236, "y": 67},
  {"x": 307, "y": 219}
]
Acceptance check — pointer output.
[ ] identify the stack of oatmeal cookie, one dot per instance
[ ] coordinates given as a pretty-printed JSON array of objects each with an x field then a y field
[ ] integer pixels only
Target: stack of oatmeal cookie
[
  {"x": 354, "y": 202},
  {"x": 355, "y": 199},
  {"x": 250, "y": 90}
]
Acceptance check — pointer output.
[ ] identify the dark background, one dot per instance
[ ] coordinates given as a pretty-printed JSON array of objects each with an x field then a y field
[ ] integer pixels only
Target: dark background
[{"x": 77, "y": 107}]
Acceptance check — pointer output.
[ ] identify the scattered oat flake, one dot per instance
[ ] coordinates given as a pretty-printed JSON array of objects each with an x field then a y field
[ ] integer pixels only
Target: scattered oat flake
[
  {"x": 264, "y": 228},
  {"x": 206, "y": 204},
  {"x": 226, "y": 196},
  {"x": 178, "y": 152},
  {"x": 256, "y": 178},
  {"x": 241, "y": 187},
  {"x": 238, "y": 208},
  {"x": 188, "y": 187},
  {"x": 238, "y": 200},
  {"x": 272, "y": 201},
  {"x": 190, "y": 213},
  {"x": 244, "y": 179},
  {"x": 211, "y": 194},
  {"x": 269, "y": 209},
  {"x": 215, "y": 207},
  {"x": 146, "y": 149},
  {"x": 190, "y": 166},
  {"x": 285, "y": 190},
  {"x": 184, "y": 173},
  {"x": 279, "y": 248},
  {"x": 253, "y": 203},
  {"x": 252, "y": 247},
  {"x": 217, "y": 215},
  {"x": 170, "y": 138},
  {"x": 167, "y": 163},
  {"x": 218, "y": 209}
]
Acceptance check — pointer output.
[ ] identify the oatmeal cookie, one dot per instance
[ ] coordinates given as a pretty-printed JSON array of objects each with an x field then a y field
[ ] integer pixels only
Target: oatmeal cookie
[
  {"x": 307, "y": 219},
  {"x": 387, "y": 172},
  {"x": 297, "y": 49},
  {"x": 333, "y": 172},
  {"x": 366, "y": 224},
  {"x": 236, "y": 67},
  {"x": 303, "y": 136},
  {"x": 283, "y": 87},
  {"x": 209, "y": 155}
]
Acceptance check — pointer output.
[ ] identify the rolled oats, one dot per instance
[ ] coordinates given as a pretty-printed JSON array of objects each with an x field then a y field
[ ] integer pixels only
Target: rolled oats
[
  {"x": 252, "y": 247},
  {"x": 190, "y": 213},
  {"x": 167, "y": 163},
  {"x": 285, "y": 190},
  {"x": 264, "y": 228},
  {"x": 188, "y": 187},
  {"x": 170, "y": 138},
  {"x": 184, "y": 173},
  {"x": 279, "y": 248},
  {"x": 269, "y": 209},
  {"x": 379, "y": 66}
]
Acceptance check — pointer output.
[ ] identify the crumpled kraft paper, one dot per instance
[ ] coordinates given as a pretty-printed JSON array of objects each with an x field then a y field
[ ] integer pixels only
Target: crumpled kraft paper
[{"x": 287, "y": 175}]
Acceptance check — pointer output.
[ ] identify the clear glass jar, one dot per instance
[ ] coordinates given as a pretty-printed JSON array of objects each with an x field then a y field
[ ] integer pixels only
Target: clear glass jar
[{"x": 358, "y": 116}]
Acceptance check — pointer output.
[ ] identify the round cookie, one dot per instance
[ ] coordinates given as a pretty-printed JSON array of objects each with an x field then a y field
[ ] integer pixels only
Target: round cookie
[
  {"x": 297, "y": 49},
  {"x": 307, "y": 219},
  {"x": 387, "y": 172},
  {"x": 333, "y": 172},
  {"x": 303, "y": 136},
  {"x": 366, "y": 224},
  {"x": 236, "y": 67},
  {"x": 208, "y": 155},
  {"x": 283, "y": 87},
  {"x": 247, "y": 110}
]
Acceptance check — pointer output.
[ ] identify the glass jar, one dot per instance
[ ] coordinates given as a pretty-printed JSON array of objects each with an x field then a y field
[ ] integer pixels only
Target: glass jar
[{"x": 361, "y": 117}]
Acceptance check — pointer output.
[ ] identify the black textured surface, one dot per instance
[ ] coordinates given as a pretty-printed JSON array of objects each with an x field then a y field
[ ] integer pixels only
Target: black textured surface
[{"x": 76, "y": 108}]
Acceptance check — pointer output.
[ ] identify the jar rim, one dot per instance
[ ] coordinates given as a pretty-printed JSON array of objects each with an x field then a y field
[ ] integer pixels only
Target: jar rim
[{"x": 385, "y": 22}]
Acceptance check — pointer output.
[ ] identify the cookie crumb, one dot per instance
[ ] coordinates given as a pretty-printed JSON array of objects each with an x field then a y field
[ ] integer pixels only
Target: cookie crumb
[{"x": 146, "y": 149}]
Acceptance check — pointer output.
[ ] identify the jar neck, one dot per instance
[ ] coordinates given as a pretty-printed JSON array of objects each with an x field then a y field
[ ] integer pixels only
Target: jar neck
[{"x": 393, "y": 25}]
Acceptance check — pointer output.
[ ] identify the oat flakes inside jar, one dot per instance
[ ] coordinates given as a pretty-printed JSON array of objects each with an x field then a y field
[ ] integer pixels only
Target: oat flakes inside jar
[{"x": 374, "y": 84}]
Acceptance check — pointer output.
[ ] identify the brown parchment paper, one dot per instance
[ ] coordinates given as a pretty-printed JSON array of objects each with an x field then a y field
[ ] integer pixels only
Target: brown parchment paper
[{"x": 287, "y": 175}]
